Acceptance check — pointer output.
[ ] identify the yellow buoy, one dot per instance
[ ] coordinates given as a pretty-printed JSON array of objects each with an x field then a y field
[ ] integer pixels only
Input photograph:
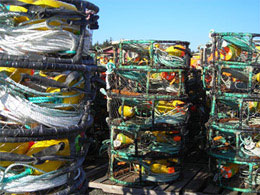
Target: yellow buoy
[
  {"x": 16, "y": 8},
  {"x": 124, "y": 139},
  {"x": 160, "y": 168},
  {"x": 257, "y": 144},
  {"x": 195, "y": 61},
  {"x": 176, "y": 103},
  {"x": 175, "y": 51},
  {"x": 50, "y": 3},
  {"x": 257, "y": 77},
  {"x": 48, "y": 165},
  {"x": 168, "y": 106},
  {"x": 15, "y": 73},
  {"x": 258, "y": 48},
  {"x": 75, "y": 98},
  {"x": 127, "y": 111},
  {"x": 254, "y": 106},
  {"x": 164, "y": 106},
  {"x": 42, "y": 3},
  {"x": 17, "y": 148}
]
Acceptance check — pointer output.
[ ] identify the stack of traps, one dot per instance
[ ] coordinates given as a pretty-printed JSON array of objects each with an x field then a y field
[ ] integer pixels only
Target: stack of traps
[
  {"x": 148, "y": 110},
  {"x": 231, "y": 75},
  {"x": 46, "y": 92}
]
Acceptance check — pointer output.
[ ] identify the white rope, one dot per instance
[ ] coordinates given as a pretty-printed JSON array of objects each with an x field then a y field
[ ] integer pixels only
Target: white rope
[
  {"x": 28, "y": 39},
  {"x": 22, "y": 111},
  {"x": 25, "y": 185},
  {"x": 32, "y": 183}
]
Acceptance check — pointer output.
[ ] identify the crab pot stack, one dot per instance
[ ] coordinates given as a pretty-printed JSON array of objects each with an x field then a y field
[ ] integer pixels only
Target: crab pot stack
[
  {"x": 232, "y": 78},
  {"x": 148, "y": 110},
  {"x": 46, "y": 92}
]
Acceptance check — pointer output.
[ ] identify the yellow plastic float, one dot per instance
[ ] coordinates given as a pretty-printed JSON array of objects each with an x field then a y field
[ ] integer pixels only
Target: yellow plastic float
[{"x": 48, "y": 165}]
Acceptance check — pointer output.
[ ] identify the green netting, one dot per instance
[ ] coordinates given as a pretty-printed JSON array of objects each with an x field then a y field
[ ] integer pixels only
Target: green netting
[{"x": 242, "y": 42}]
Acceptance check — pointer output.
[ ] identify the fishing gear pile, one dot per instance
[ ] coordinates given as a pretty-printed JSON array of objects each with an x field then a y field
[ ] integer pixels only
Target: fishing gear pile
[
  {"x": 148, "y": 110},
  {"x": 46, "y": 89},
  {"x": 231, "y": 76}
]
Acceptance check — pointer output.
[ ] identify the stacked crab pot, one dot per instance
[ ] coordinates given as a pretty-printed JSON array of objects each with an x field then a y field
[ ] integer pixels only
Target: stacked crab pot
[
  {"x": 148, "y": 110},
  {"x": 231, "y": 75},
  {"x": 46, "y": 91}
]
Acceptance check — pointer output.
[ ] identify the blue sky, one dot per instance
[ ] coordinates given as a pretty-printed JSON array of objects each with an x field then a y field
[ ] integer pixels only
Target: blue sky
[{"x": 187, "y": 20}]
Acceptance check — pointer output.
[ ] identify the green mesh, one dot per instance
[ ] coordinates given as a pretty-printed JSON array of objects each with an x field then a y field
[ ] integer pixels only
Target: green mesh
[{"x": 241, "y": 42}]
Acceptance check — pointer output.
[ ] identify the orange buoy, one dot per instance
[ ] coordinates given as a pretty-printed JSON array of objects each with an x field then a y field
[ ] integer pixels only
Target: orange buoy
[
  {"x": 169, "y": 76},
  {"x": 229, "y": 170}
]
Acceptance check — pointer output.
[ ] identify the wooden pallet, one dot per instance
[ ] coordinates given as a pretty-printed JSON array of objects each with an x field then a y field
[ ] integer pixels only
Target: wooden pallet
[{"x": 195, "y": 180}]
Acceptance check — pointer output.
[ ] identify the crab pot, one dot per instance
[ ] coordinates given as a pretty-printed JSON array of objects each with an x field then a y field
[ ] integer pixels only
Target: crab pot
[
  {"x": 236, "y": 175},
  {"x": 230, "y": 63},
  {"x": 135, "y": 112},
  {"x": 152, "y": 53},
  {"x": 148, "y": 110},
  {"x": 234, "y": 131},
  {"x": 140, "y": 83},
  {"x": 236, "y": 47},
  {"x": 49, "y": 39},
  {"x": 143, "y": 156},
  {"x": 44, "y": 118},
  {"x": 234, "y": 77},
  {"x": 233, "y": 112},
  {"x": 234, "y": 144}
]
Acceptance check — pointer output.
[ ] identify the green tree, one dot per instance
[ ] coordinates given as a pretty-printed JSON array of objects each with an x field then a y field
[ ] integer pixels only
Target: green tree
[{"x": 106, "y": 43}]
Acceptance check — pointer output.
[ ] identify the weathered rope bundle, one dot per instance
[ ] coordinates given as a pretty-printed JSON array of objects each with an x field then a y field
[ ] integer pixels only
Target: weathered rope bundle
[{"x": 46, "y": 91}]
